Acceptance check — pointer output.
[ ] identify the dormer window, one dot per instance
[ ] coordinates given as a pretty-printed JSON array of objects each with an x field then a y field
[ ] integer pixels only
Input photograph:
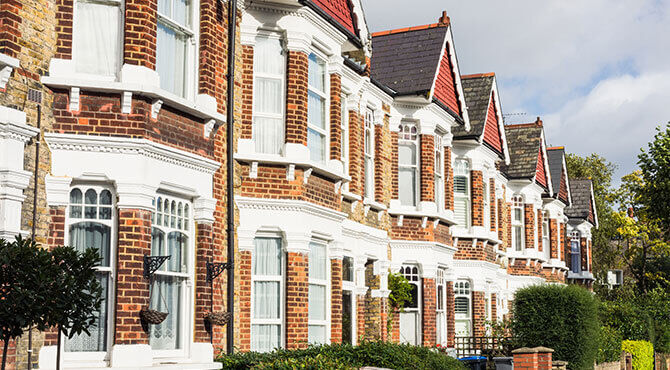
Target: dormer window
[{"x": 408, "y": 168}]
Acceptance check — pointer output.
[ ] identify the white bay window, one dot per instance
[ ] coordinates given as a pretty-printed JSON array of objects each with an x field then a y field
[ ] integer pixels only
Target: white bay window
[
  {"x": 269, "y": 100},
  {"x": 408, "y": 168},
  {"x": 97, "y": 34},
  {"x": 175, "y": 41},
  {"x": 267, "y": 278},
  {"x": 317, "y": 96},
  {"x": 462, "y": 192}
]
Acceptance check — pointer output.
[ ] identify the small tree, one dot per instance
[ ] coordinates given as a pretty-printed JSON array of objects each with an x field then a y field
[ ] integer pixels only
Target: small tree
[
  {"x": 401, "y": 293},
  {"x": 24, "y": 288}
]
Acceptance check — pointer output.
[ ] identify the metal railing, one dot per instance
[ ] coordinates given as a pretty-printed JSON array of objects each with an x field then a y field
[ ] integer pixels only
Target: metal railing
[{"x": 483, "y": 346}]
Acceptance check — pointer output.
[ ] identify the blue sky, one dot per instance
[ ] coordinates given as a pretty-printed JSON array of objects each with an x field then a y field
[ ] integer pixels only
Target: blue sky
[{"x": 596, "y": 71}]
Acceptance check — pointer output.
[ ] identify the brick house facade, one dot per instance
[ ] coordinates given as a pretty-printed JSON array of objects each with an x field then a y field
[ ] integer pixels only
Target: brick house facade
[{"x": 348, "y": 166}]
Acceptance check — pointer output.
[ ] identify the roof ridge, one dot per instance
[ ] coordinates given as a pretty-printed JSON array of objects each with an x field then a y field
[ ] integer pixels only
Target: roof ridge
[
  {"x": 443, "y": 21},
  {"x": 537, "y": 123},
  {"x": 476, "y": 75},
  {"x": 556, "y": 148}
]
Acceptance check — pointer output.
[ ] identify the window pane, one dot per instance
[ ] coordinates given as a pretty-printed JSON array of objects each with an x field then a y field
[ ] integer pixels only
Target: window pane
[
  {"x": 461, "y": 185},
  {"x": 407, "y": 154},
  {"x": 317, "y": 302},
  {"x": 267, "y": 256},
  {"x": 75, "y": 196},
  {"x": 407, "y": 186},
  {"x": 462, "y": 305},
  {"x": 84, "y": 235},
  {"x": 348, "y": 269},
  {"x": 171, "y": 59},
  {"x": 461, "y": 211},
  {"x": 317, "y": 145},
  {"x": 265, "y": 338},
  {"x": 166, "y": 297},
  {"x": 97, "y": 340},
  {"x": 317, "y": 261},
  {"x": 268, "y": 96},
  {"x": 316, "y": 73},
  {"x": 347, "y": 317},
  {"x": 157, "y": 242},
  {"x": 268, "y": 56},
  {"x": 518, "y": 235},
  {"x": 316, "y": 110},
  {"x": 414, "y": 297},
  {"x": 96, "y": 38},
  {"x": 268, "y": 135},
  {"x": 177, "y": 244},
  {"x": 180, "y": 12},
  {"x": 316, "y": 334},
  {"x": 266, "y": 299}
]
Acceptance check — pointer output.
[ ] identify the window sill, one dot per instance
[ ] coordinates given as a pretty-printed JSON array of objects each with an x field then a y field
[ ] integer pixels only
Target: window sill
[
  {"x": 446, "y": 216},
  {"x": 584, "y": 275},
  {"x": 528, "y": 253},
  {"x": 318, "y": 168},
  {"x": 475, "y": 232},
  {"x": 351, "y": 196},
  {"x": 556, "y": 263},
  {"x": 196, "y": 107},
  {"x": 7, "y": 65},
  {"x": 374, "y": 204}
]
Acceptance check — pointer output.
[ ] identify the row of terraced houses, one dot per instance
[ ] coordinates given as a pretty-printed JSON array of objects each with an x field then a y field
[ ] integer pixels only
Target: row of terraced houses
[{"x": 356, "y": 155}]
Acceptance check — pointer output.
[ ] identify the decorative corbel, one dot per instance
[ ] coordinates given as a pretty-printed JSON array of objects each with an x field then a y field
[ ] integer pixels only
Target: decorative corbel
[
  {"x": 155, "y": 108},
  {"x": 338, "y": 185},
  {"x": 306, "y": 175},
  {"x": 424, "y": 222},
  {"x": 209, "y": 126},
  {"x": 74, "y": 99},
  {"x": 126, "y": 102},
  {"x": 253, "y": 171},
  {"x": 5, "y": 73},
  {"x": 400, "y": 219},
  {"x": 290, "y": 172}
]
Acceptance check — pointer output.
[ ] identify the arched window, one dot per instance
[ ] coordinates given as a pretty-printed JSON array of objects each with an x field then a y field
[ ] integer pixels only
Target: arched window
[
  {"x": 517, "y": 223},
  {"x": 408, "y": 169},
  {"x": 91, "y": 220},
  {"x": 171, "y": 236}
]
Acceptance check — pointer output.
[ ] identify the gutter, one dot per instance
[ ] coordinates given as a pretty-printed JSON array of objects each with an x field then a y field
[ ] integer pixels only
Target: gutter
[
  {"x": 230, "y": 208},
  {"x": 351, "y": 36}
]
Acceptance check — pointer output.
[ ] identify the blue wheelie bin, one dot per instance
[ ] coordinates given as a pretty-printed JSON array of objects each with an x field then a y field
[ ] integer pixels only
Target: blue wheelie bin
[{"x": 474, "y": 362}]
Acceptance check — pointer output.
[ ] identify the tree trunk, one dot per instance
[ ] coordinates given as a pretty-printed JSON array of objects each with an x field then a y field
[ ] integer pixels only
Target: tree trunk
[
  {"x": 4, "y": 353},
  {"x": 58, "y": 349}
]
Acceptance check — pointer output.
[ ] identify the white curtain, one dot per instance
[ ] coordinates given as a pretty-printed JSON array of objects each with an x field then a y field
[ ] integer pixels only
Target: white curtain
[
  {"x": 518, "y": 235},
  {"x": 267, "y": 256},
  {"x": 84, "y": 235},
  {"x": 407, "y": 174},
  {"x": 265, "y": 338},
  {"x": 318, "y": 264},
  {"x": 266, "y": 299},
  {"x": 316, "y": 110},
  {"x": 317, "y": 302},
  {"x": 317, "y": 261},
  {"x": 171, "y": 59},
  {"x": 97, "y": 341},
  {"x": 177, "y": 243},
  {"x": 408, "y": 327},
  {"x": 166, "y": 297},
  {"x": 268, "y": 126},
  {"x": 96, "y": 38},
  {"x": 157, "y": 242},
  {"x": 316, "y": 334}
]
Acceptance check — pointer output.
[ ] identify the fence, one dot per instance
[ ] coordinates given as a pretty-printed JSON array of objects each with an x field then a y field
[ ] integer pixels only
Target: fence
[{"x": 483, "y": 346}]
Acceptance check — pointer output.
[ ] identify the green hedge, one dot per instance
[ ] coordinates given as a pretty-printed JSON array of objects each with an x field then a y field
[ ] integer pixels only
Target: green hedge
[
  {"x": 564, "y": 318},
  {"x": 610, "y": 345},
  {"x": 344, "y": 356},
  {"x": 642, "y": 351}
]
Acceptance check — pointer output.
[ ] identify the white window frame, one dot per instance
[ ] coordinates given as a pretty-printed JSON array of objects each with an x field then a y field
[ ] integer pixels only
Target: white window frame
[
  {"x": 190, "y": 62},
  {"x": 463, "y": 289},
  {"x": 546, "y": 242},
  {"x": 441, "y": 307},
  {"x": 462, "y": 169},
  {"x": 369, "y": 156},
  {"x": 188, "y": 277},
  {"x": 517, "y": 204},
  {"x": 439, "y": 173},
  {"x": 326, "y": 285},
  {"x": 409, "y": 136},
  {"x": 282, "y": 292},
  {"x": 575, "y": 237},
  {"x": 325, "y": 95},
  {"x": 282, "y": 77},
  {"x": 97, "y": 356},
  {"x": 411, "y": 273},
  {"x": 487, "y": 202},
  {"x": 75, "y": 48},
  {"x": 350, "y": 286}
]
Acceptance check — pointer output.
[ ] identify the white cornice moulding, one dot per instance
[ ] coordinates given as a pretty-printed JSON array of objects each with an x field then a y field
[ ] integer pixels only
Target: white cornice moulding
[
  {"x": 135, "y": 196},
  {"x": 203, "y": 210},
  {"x": 245, "y": 203},
  {"x": 57, "y": 190}
]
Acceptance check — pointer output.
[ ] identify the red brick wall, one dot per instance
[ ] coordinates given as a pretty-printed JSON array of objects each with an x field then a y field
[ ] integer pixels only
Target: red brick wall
[
  {"x": 132, "y": 289},
  {"x": 335, "y": 116},
  {"x": 56, "y": 235},
  {"x": 449, "y": 184},
  {"x": 296, "y": 99},
  {"x": 336, "y": 301},
  {"x": 247, "y": 95},
  {"x": 244, "y": 301},
  {"x": 529, "y": 223},
  {"x": 381, "y": 156},
  {"x": 203, "y": 253},
  {"x": 412, "y": 229},
  {"x": 553, "y": 237},
  {"x": 428, "y": 316},
  {"x": 492, "y": 204},
  {"x": 477, "y": 186},
  {"x": 394, "y": 165},
  {"x": 356, "y": 153},
  {"x": 64, "y": 12},
  {"x": 451, "y": 319},
  {"x": 584, "y": 253},
  {"x": 360, "y": 318},
  {"x": 478, "y": 314},
  {"x": 213, "y": 51},
  {"x": 481, "y": 251},
  {"x": 297, "y": 289},
  {"x": 427, "y": 168},
  {"x": 494, "y": 307},
  {"x": 140, "y": 33},
  {"x": 533, "y": 361},
  {"x": 566, "y": 248},
  {"x": 10, "y": 35},
  {"x": 522, "y": 268},
  {"x": 590, "y": 261}
]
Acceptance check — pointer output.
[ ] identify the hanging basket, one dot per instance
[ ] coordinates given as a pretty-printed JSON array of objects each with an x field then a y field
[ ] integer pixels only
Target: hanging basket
[
  {"x": 218, "y": 318},
  {"x": 152, "y": 316}
]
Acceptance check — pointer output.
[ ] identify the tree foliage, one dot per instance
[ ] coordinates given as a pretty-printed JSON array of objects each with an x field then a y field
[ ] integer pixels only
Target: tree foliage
[
  {"x": 400, "y": 290},
  {"x": 655, "y": 166}
]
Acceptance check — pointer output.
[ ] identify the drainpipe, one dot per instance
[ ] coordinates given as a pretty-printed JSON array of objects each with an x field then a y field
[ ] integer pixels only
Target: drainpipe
[{"x": 230, "y": 120}]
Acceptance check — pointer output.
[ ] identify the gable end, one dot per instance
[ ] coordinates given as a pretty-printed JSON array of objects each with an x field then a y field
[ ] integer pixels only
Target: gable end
[
  {"x": 492, "y": 135},
  {"x": 540, "y": 170},
  {"x": 445, "y": 89}
]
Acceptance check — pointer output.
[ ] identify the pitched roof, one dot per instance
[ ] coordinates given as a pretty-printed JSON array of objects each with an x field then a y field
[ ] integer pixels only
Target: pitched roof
[
  {"x": 524, "y": 143},
  {"x": 477, "y": 90},
  {"x": 340, "y": 13},
  {"x": 555, "y": 159},
  {"x": 407, "y": 60},
  {"x": 583, "y": 206}
]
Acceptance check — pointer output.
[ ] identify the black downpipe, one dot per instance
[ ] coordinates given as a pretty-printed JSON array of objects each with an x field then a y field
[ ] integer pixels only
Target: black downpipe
[
  {"x": 32, "y": 232},
  {"x": 230, "y": 120}
]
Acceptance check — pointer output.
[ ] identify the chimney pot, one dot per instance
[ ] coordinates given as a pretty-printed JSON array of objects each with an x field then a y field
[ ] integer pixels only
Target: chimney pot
[{"x": 444, "y": 19}]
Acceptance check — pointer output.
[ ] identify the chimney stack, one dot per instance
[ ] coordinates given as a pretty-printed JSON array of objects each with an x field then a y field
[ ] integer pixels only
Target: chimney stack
[{"x": 444, "y": 19}]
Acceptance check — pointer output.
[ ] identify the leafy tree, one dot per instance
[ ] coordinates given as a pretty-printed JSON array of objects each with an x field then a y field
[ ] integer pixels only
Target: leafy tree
[
  {"x": 600, "y": 171},
  {"x": 24, "y": 288},
  {"x": 655, "y": 166}
]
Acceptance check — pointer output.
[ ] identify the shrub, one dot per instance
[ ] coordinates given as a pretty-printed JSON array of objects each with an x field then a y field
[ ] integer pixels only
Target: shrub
[
  {"x": 563, "y": 318},
  {"x": 344, "y": 356},
  {"x": 610, "y": 345},
  {"x": 642, "y": 351}
]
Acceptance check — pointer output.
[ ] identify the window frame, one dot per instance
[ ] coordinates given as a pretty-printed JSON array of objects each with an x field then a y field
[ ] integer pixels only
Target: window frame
[
  {"x": 411, "y": 272},
  {"x": 187, "y": 278},
  {"x": 191, "y": 70},
  {"x": 439, "y": 175},
  {"x": 97, "y": 356},
  {"x": 463, "y": 289},
  {"x": 487, "y": 202},
  {"x": 441, "y": 307},
  {"x": 546, "y": 240},
  {"x": 120, "y": 43},
  {"x": 517, "y": 204},
  {"x": 369, "y": 157},
  {"x": 575, "y": 239},
  {"x": 409, "y": 135},
  {"x": 458, "y": 172},
  {"x": 350, "y": 286},
  {"x": 325, "y": 95},
  {"x": 281, "y": 321},
  {"x": 344, "y": 133},
  {"x": 282, "y": 77},
  {"x": 326, "y": 284}
]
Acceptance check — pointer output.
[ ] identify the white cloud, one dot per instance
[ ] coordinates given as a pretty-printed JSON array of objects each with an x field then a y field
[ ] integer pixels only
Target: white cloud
[{"x": 596, "y": 70}]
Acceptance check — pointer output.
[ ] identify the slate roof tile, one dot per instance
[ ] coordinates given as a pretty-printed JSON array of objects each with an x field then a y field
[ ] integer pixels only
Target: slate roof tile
[
  {"x": 523, "y": 143},
  {"x": 580, "y": 190},
  {"x": 477, "y": 90},
  {"x": 555, "y": 159}
]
